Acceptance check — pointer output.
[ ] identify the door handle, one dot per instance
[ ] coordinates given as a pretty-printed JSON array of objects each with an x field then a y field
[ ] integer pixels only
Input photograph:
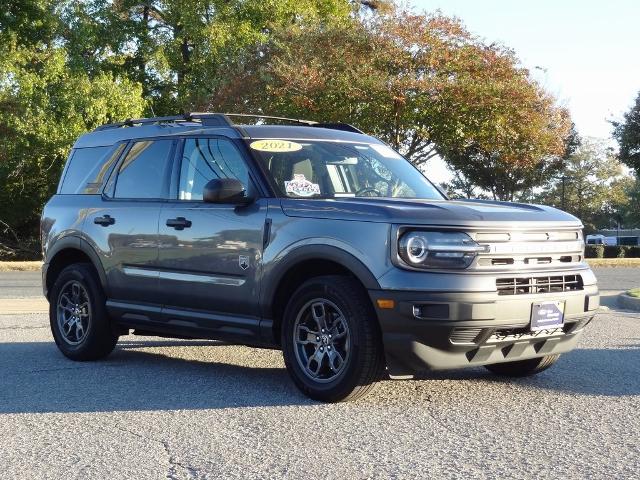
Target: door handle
[
  {"x": 179, "y": 223},
  {"x": 105, "y": 220}
]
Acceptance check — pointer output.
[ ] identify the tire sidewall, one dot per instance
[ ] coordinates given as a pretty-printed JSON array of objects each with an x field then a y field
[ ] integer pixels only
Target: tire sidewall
[{"x": 348, "y": 378}]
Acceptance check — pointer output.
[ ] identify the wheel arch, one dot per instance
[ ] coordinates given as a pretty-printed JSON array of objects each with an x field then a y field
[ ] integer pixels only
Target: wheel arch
[
  {"x": 67, "y": 251},
  {"x": 300, "y": 265}
]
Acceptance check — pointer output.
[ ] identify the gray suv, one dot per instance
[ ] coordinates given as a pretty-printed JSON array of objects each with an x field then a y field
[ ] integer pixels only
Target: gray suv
[{"x": 312, "y": 238}]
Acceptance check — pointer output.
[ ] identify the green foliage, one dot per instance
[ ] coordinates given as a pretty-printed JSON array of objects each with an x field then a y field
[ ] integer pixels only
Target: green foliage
[
  {"x": 591, "y": 185},
  {"x": 68, "y": 66},
  {"x": 44, "y": 108},
  {"x": 181, "y": 51},
  {"x": 616, "y": 251},
  {"x": 627, "y": 133},
  {"x": 27, "y": 22},
  {"x": 462, "y": 187},
  {"x": 633, "y": 251},
  {"x": 612, "y": 251},
  {"x": 594, "y": 251},
  {"x": 629, "y": 208}
]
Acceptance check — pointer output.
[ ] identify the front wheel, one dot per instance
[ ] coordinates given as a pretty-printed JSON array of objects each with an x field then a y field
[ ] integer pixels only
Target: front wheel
[
  {"x": 523, "y": 368},
  {"x": 331, "y": 341},
  {"x": 77, "y": 313}
]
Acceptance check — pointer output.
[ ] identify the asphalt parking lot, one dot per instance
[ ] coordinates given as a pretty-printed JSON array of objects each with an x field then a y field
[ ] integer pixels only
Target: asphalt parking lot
[{"x": 199, "y": 409}]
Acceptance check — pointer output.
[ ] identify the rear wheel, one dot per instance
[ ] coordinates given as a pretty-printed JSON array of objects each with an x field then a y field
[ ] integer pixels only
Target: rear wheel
[
  {"x": 331, "y": 341},
  {"x": 77, "y": 314},
  {"x": 523, "y": 368}
]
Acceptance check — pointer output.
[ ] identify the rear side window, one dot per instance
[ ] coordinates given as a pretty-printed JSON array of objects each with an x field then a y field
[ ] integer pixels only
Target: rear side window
[
  {"x": 88, "y": 168},
  {"x": 143, "y": 173},
  {"x": 205, "y": 159}
]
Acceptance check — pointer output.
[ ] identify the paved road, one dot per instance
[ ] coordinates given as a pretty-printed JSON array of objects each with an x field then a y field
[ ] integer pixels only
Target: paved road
[
  {"x": 618, "y": 278},
  {"x": 20, "y": 284},
  {"x": 193, "y": 409},
  {"x": 199, "y": 409}
]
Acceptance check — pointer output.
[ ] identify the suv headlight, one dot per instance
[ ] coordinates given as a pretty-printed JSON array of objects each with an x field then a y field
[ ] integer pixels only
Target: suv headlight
[{"x": 438, "y": 249}]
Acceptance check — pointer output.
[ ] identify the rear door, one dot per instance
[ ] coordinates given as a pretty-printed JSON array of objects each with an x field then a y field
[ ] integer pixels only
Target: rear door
[
  {"x": 210, "y": 255},
  {"x": 123, "y": 225}
]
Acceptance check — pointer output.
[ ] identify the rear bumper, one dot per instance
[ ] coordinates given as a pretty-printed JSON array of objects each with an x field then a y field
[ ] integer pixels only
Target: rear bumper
[{"x": 434, "y": 331}]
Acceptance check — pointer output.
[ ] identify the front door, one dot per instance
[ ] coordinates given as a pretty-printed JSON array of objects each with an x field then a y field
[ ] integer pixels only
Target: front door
[{"x": 210, "y": 255}]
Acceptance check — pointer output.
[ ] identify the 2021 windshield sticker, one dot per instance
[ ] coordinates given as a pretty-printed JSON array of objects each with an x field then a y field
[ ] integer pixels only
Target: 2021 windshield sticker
[
  {"x": 301, "y": 187},
  {"x": 276, "y": 146}
]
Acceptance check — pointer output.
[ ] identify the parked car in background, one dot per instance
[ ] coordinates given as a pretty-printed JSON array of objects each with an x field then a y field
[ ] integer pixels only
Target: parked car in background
[{"x": 598, "y": 239}]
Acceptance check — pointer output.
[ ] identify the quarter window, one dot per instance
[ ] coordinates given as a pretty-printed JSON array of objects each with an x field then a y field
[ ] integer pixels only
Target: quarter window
[
  {"x": 88, "y": 168},
  {"x": 143, "y": 172},
  {"x": 205, "y": 159}
]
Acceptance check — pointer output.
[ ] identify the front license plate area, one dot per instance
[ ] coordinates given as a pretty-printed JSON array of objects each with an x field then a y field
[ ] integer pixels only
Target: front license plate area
[{"x": 547, "y": 315}]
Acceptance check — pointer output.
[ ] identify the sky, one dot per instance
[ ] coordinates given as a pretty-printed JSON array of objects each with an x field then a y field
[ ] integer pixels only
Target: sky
[{"x": 585, "y": 52}]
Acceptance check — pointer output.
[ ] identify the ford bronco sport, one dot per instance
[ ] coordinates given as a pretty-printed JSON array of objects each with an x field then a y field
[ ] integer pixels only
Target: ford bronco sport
[{"x": 313, "y": 238}]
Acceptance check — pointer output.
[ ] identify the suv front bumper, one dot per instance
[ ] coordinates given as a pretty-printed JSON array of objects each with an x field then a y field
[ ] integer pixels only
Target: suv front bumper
[{"x": 434, "y": 331}]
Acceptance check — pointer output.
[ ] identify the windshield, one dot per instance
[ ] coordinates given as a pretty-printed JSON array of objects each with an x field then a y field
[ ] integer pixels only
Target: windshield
[{"x": 329, "y": 169}]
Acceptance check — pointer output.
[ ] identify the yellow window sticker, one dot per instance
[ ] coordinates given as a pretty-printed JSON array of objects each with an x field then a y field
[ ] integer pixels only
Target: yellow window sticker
[{"x": 273, "y": 145}]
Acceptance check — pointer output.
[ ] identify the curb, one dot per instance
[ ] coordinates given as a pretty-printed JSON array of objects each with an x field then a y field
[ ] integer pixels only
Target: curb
[{"x": 628, "y": 302}]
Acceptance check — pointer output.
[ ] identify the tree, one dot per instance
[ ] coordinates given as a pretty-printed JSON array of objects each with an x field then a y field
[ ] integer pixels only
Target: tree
[
  {"x": 627, "y": 133},
  {"x": 27, "y": 22},
  {"x": 595, "y": 188},
  {"x": 43, "y": 109},
  {"x": 67, "y": 66},
  {"x": 179, "y": 50},
  {"x": 462, "y": 187},
  {"x": 629, "y": 209},
  {"x": 421, "y": 82}
]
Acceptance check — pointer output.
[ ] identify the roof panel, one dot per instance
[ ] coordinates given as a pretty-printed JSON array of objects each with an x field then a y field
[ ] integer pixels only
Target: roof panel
[{"x": 113, "y": 135}]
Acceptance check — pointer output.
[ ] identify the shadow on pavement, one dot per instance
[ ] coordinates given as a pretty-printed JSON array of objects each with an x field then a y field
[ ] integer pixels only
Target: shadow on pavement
[
  {"x": 35, "y": 377},
  {"x": 611, "y": 372},
  {"x": 610, "y": 299}
]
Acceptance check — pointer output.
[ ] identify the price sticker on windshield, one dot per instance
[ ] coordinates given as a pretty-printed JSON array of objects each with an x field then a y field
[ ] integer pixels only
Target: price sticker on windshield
[{"x": 275, "y": 146}]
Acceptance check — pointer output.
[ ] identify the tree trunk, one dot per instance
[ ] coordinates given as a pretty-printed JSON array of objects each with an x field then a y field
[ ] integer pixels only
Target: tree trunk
[{"x": 141, "y": 55}]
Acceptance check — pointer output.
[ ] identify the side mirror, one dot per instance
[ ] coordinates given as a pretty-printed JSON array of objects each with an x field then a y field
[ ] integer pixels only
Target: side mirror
[{"x": 225, "y": 190}]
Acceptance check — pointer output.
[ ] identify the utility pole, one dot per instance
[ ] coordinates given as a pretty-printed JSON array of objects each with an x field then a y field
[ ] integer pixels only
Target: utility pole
[
  {"x": 619, "y": 220},
  {"x": 563, "y": 187}
]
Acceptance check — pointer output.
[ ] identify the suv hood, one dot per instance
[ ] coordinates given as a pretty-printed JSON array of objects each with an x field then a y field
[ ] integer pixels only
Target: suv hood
[{"x": 463, "y": 213}]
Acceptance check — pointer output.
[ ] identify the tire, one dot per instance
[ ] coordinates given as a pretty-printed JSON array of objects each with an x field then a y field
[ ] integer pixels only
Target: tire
[
  {"x": 343, "y": 362},
  {"x": 94, "y": 339},
  {"x": 523, "y": 368}
]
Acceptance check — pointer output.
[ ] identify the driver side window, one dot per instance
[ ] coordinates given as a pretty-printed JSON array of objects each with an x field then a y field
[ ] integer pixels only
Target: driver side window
[{"x": 205, "y": 159}]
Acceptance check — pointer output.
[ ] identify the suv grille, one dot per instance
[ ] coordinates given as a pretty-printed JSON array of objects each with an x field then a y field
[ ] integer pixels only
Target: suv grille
[
  {"x": 548, "y": 284},
  {"x": 517, "y": 250}
]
